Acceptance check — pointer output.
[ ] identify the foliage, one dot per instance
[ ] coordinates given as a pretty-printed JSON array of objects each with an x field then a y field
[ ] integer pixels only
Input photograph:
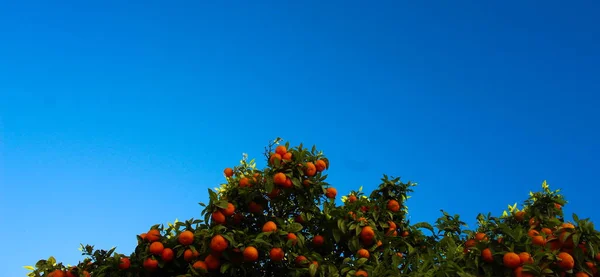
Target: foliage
[{"x": 283, "y": 221}]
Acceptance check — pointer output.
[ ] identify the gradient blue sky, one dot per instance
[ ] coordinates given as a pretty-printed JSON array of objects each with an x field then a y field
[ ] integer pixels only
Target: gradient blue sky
[{"x": 117, "y": 115}]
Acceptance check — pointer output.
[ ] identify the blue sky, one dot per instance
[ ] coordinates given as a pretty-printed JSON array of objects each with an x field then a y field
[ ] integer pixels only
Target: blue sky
[{"x": 116, "y": 116}]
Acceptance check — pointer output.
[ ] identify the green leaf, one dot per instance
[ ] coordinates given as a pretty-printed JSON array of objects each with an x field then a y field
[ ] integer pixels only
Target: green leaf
[
  {"x": 28, "y": 267},
  {"x": 336, "y": 235},
  {"x": 312, "y": 270},
  {"x": 222, "y": 204}
]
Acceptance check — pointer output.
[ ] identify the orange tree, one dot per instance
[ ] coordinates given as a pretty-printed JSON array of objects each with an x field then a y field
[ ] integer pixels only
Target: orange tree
[{"x": 283, "y": 221}]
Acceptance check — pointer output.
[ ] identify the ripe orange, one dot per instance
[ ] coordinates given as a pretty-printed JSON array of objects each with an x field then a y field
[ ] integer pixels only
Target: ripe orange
[
  {"x": 270, "y": 226},
  {"x": 533, "y": 222},
  {"x": 279, "y": 179},
  {"x": 299, "y": 219},
  {"x": 331, "y": 193},
  {"x": 525, "y": 258},
  {"x": 320, "y": 165},
  {"x": 57, "y": 273},
  {"x": 167, "y": 254},
  {"x": 274, "y": 193},
  {"x": 566, "y": 261},
  {"x": 481, "y": 237},
  {"x": 306, "y": 182},
  {"x": 567, "y": 240},
  {"x": 274, "y": 158},
  {"x": 532, "y": 232},
  {"x": 244, "y": 182},
  {"x": 405, "y": 234},
  {"x": 189, "y": 255},
  {"x": 363, "y": 253},
  {"x": 318, "y": 240},
  {"x": 470, "y": 243},
  {"x": 287, "y": 156},
  {"x": 212, "y": 262},
  {"x": 392, "y": 225},
  {"x": 310, "y": 169},
  {"x": 393, "y": 206},
  {"x": 293, "y": 238},
  {"x": 288, "y": 183},
  {"x": 519, "y": 272},
  {"x": 301, "y": 261},
  {"x": 520, "y": 215},
  {"x": 124, "y": 263},
  {"x": 218, "y": 217},
  {"x": 567, "y": 225},
  {"x": 511, "y": 260},
  {"x": 352, "y": 198},
  {"x": 367, "y": 234},
  {"x": 228, "y": 172},
  {"x": 200, "y": 265},
  {"x": 150, "y": 264},
  {"x": 218, "y": 243},
  {"x": 592, "y": 267},
  {"x": 153, "y": 235},
  {"x": 229, "y": 211},
  {"x": 581, "y": 274},
  {"x": 281, "y": 150},
  {"x": 557, "y": 206},
  {"x": 547, "y": 231},
  {"x": 186, "y": 237},
  {"x": 487, "y": 256},
  {"x": 144, "y": 236},
  {"x": 276, "y": 254},
  {"x": 156, "y": 248},
  {"x": 250, "y": 254},
  {"x": 362, "y": 273},
  {"x": 538, "y": 240}
]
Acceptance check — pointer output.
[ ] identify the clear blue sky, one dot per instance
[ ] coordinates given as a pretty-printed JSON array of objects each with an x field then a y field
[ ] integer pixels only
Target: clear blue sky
[{"x": 116, "y": 115}]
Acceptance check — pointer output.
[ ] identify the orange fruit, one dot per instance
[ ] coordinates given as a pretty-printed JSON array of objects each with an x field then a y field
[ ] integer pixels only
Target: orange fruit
[
  {"x": 392, "y": 225},
  {"x": 533, "y": 222},
  {"x": 200, "y": 265},
  {"x": 532, "y": 232},
  {"x": 229, "y": 211},
  {"x": 153, "y": 235},
  {"x": 511, "y": 260},
  {"x": 547, "y": 231},
  {"x": 150, "y": 264},
  {"x": 276, "y": 254},
  {"x": 300, "y": 261},
  {"x": 592, "y": 267},
  {"x": 481, "y": 236},
  {"x": 293, "y": 238},
  {"x": 393, "y": 206},
  {"x": 520, "y": 215},
  {"x": 270, "y": 226},
  {"x": 144, "y": 236},
  {"x": 274, "y": 158},
  {"x": 567, "y": 225},
  {"x": 352, "y": 198},
  {"x": 367, "y": 234},
  {"x": 525, "y": 258},
  {"x": 318, "y": 240},
  {"x": 362, "y": 273},
  {"x": 306, "y": 182},
  {"x": 519, "y": 272},
  {"x": 287, "y": 156},
  {"x": 156, "y": 248},
  {"x": 331, "y": 193},
  {"x": 566, "y": 261},
  {"x": 557, "y": 206},
  {"x": 167, "y": 254},
  {"x": 538, "y": 240},
  {"x": 218, "y": 217},
  {"x": 567, "y": 240},
  {"x": 470, "y": 243},
  {"x": 218, "y": 243},
  {"x": 228, "y": 172},
  {"x": 253, "y": 207},
  {"x": 310, "y": 169},
  {"x": 487, "y": 256},
  {"x": 274, "y": 193},
  {"x": 250, "y": 254},
  {"x": 288, "y": 183},
  {"x": 279, "y": 179},
  {"x": 212, "y": 262},
  {"x": 320, "y": 165},
  {"x": 57, "y": 273},
  {"x": 363, "y": 253},
  {"x": 186, "y": 237},
  {"x": 581, "y": 274},
  {"x": 189, "y": 255},
  {"x": 281, "y": 150},
  {"x": 244, "y": 182},
  {"x": 597, "y": 257},
  {"x": 124, "y": 263},
  {"x": 299, "y": 219},
  {"x": 405, "y": 234}
]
